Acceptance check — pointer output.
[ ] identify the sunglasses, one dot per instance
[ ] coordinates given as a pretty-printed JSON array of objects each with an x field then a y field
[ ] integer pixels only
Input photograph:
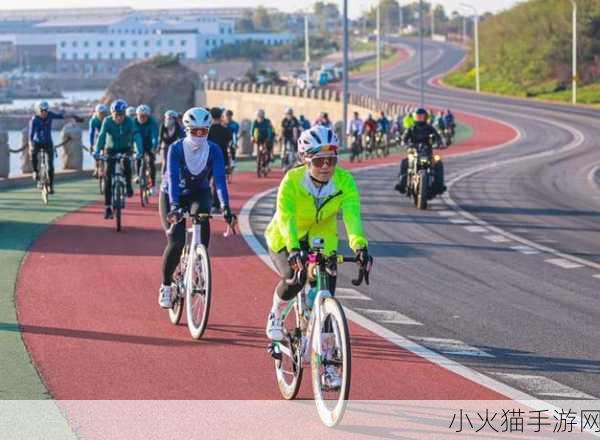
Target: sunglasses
[
  {"x": 200, "y": 132},
  {"x": 319, "y": 162}
]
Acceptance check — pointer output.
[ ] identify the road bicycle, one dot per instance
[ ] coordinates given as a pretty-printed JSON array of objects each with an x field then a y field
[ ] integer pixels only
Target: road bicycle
[
  {"x": 144, "y": 180},
  {"x": 118, "y": 186},
  {"x": 192, "y": 278},
  {"x": 317, "y": 335},
  {"x": 262, "y": 159},
  {"x": 44, "y": 175}
]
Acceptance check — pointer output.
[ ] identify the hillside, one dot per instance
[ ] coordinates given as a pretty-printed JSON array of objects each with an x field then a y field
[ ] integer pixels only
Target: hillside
[{"x": 526, "y": 51}]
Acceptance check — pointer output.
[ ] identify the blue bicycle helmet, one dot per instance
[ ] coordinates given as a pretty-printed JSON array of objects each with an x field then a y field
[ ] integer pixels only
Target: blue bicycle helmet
[{"x": 118, "y": 106}]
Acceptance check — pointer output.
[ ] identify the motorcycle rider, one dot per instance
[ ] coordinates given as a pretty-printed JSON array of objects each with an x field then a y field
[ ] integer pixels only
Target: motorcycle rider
[{"x": 422, "y": 133}]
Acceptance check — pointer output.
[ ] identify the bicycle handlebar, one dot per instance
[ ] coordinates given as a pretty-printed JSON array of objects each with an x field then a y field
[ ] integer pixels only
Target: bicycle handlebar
[{"x": 364, "y": 271}]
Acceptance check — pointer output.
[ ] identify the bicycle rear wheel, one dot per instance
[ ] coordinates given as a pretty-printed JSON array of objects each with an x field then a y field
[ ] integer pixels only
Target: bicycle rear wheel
[
  {"x": 288, "y": 369},
  {"x": 176, "y": 311},
  {"x": 198, "y": 291},
  {"x": 332, "y": 328}
]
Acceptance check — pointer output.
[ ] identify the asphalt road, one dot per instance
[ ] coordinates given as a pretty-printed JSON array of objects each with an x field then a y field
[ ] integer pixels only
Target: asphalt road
[{"x": 503, "y": 273}]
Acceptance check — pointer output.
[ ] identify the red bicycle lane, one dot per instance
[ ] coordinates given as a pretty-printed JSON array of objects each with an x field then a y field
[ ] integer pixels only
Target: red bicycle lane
[{"x": 87, "y": 305}]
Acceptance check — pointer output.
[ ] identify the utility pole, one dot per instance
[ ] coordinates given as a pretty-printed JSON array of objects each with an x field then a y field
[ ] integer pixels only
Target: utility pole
[
  {"x": 345, "y": 77},
  {"x": 432, "y": 21},
  {"x": 421, "y": 73},
  {"x": 476, "y": 19},
  {"x": 378, "y": 79},
  {"x": 306, "y": 50},
  {"x": 574, "y": 52},
  {"x": 400, "y": 18}
]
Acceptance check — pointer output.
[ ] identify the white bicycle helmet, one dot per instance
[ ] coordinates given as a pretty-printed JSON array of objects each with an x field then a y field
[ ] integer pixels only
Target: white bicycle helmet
[
  {"x": 197, "y": 117},
  {"x": 143, "y": 110},
  {"x": 130, "y": 112},
  {"x": 102, "y": 108},
  {"x": 318, "y": 141}
]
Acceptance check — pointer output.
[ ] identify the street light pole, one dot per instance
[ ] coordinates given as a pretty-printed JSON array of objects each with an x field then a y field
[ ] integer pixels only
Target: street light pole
[
  {"x": 306, "y": 50},
  {"x": 574, "y": 52},
  {"x": 345, "y": 74},
  {"x": 378, "y": 79},
  {"x": 432, "y": 21},
  {"x": 421, "y": 69},
  {"x": 400, "y": 18},
  {"x": 476, "y": 19}
]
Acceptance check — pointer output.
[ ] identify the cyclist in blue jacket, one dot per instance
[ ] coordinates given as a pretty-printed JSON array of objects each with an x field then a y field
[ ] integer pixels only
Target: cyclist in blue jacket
[{"x": 191, "y": 162}]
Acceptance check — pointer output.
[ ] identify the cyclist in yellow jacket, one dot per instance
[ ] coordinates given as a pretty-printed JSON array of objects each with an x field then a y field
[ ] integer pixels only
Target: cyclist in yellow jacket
[{"x": 309, "y": 199}]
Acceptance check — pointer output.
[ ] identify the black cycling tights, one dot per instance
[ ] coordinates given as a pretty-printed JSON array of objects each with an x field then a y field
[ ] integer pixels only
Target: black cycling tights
[{"x": 197, "y": 203}]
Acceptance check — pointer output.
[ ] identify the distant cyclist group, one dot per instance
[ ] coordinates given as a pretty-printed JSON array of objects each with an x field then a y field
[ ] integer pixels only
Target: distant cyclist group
[{"x": 199, "y": 153}]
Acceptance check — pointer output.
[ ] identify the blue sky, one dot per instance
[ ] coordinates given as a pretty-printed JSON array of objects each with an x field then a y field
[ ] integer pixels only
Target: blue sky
[{"x": 355, "y": 6}]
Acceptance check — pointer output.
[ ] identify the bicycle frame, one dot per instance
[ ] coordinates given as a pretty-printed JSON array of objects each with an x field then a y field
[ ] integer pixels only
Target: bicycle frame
[{"x": 118, "y": 178}]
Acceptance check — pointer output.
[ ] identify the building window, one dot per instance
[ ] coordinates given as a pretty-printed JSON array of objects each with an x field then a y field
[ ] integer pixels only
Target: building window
[
  {"x": 126, "y": 31},
  {"x": 182, "y": 55},
  {"x": 214, "y": 42},
  {"x": 222, "y": 42},
  {"x": 183, "y": 42},
  {"x": 86, "y": 56},
  {"x": 110, "y": 56},
  {"x": 221, "y": 30},
  {"x": 158, "y": 43},
  {"x": 146, "y": 43},
  {"x": 122, "y": 55},
  {"x": 63, "y": 56},
  {"x": 207, "y": 42},
  {"x": 74, "y": 55},
  {"x": 134, "y": 43},
  {"x": 171, "y": 42},
  {"x": 99, "y": 44},
  {"x": 63, "y": 44},
  {"x": 111, "y": 44},
  {"x": 86, "y": 44},
  {"x": 74, "y": 44},
  {"x": 135, "y": 55},
  {"x": 99, "y": 56},
  {"x": 122, "y": 43},
  {"x": 146, "y": 54}
]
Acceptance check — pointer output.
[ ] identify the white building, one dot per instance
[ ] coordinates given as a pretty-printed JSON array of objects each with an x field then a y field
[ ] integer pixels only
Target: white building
[{"x": 104, "y": 44}]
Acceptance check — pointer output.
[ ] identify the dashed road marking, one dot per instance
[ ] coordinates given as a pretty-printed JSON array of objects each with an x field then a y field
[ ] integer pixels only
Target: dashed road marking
[
  {"x": 497, "y": 238},
  {"x": 349, "y": 293},
  {"x": 447, "y": 213},
  {"x": 459, "y": 221},
  {"x": 564, "y": 263},
  {"x": 527, "y": 250},
  {"x": 451, "y": 347},
  {"x": 597, "y": 276},
  {"x": 543, "y": 386},
  {"x": 476, "y": 229},
  {"x": 388, "y": 317}
]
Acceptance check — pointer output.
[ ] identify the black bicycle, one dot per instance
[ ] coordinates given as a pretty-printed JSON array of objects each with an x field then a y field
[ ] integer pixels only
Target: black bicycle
[
  {"x": 145, "y": 180},
  {"x": 119, "y": 185}
]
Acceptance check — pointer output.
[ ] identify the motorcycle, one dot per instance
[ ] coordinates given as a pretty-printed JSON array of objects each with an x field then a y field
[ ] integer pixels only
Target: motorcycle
[{"x": 420, "y": 178}]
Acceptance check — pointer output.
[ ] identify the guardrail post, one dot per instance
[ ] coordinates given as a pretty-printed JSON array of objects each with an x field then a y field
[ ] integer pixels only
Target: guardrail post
[
  {"x": 72, "y": 149},
  {"x": 4, "y": 155},
  {"x": 26, "y": 167}
]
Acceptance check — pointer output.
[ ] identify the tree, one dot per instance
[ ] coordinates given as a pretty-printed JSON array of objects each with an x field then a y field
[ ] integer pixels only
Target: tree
[
  {"x": 245, "y": 25},
  {"x": 261, "y": 19}
]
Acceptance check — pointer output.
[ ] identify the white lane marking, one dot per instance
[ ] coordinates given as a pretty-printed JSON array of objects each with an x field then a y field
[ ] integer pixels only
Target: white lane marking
[
  {"x": 476, "y": 229},
  {"x": 597, "y": 276},
  {"x": 447, "y": 213},
  {"x": 389, "y": 317},
  {"x": 349, "y": 293},
  {"x": 564, "y": 263},
  {"x": 543, "y": 386},
  {"x": 459, "y": 221},
  {"x": 497, "y": 238},
  {"x": 451, "y": 347},
  {"x": 525, "y": 250}
]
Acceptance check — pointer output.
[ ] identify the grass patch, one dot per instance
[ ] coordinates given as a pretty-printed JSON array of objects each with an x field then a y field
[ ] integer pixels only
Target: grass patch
[
  {"x": 551, "y": 90},
  {"x": 388, "y": 57}
]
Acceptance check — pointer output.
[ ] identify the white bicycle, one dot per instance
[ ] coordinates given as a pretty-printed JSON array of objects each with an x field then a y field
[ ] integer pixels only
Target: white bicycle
[{"x": 319, "y": 336}]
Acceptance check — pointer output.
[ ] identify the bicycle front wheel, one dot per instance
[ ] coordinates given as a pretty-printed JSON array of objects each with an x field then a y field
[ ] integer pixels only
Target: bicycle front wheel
[
  {"x": 334, "y": 358},
  {"x": 118, "y": 203},
  {"x": 198, "y": 291}
]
